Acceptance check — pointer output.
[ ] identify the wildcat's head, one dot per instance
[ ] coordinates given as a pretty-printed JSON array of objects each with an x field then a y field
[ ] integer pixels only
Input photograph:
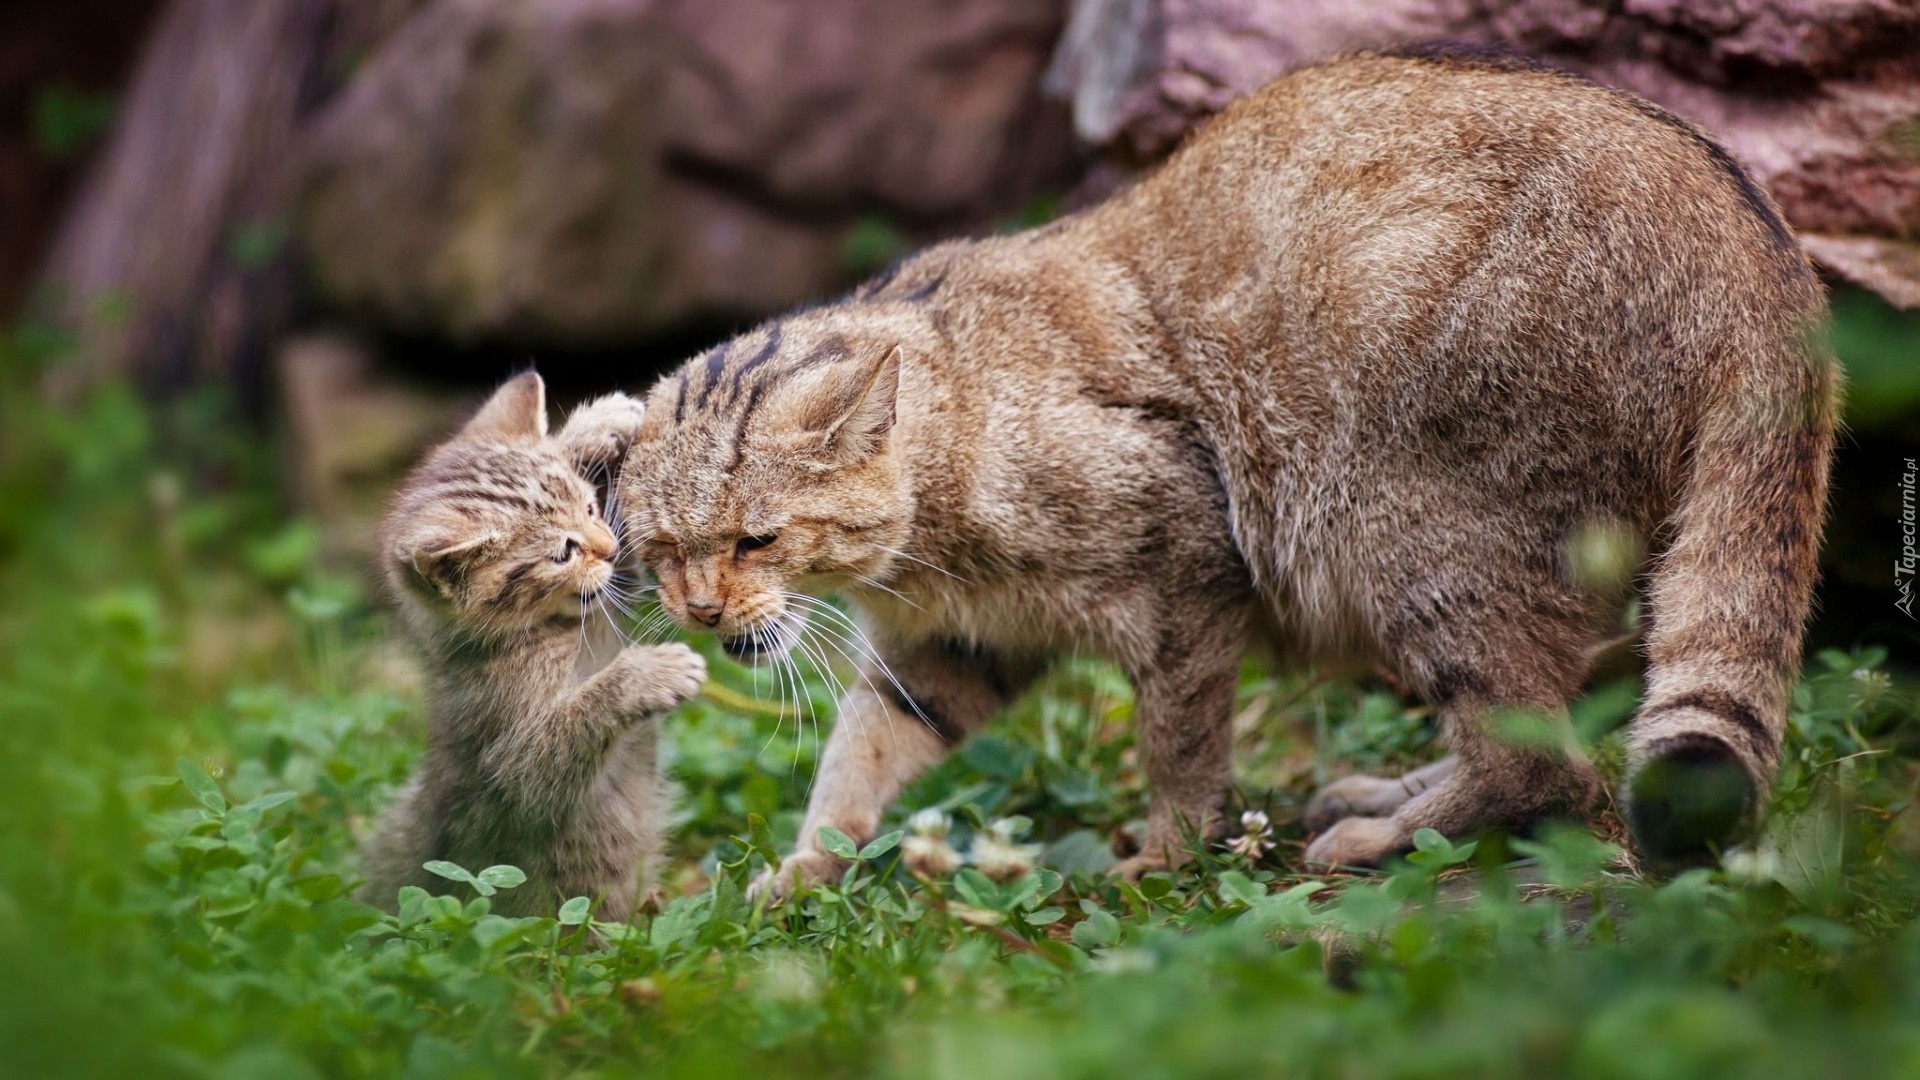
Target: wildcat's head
[
  {"x": 766, "y": 468},
  {"x": 497, "y": 531}
]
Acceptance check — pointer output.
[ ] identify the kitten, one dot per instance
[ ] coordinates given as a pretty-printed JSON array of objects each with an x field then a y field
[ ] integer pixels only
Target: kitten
[
  {"x": 1357, "y": 369},
  {"x": 541, "y": 742}
]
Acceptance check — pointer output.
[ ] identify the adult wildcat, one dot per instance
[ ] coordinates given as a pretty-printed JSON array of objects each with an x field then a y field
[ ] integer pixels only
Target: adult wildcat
[
  {"x": 1357, "y": 367},
  {"x": 541, "y": 741}
]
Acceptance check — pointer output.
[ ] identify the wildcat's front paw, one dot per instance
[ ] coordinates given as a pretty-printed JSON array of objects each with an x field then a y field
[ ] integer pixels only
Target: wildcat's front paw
[
  {"x": 663, "y": 676},
  {"x": 799, "y": 870},
  {"x": 600, "y": 431}
]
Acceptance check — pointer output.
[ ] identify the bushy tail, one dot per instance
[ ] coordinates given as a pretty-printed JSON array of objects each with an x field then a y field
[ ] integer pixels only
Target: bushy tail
[{"x": 1728, "y": 601}]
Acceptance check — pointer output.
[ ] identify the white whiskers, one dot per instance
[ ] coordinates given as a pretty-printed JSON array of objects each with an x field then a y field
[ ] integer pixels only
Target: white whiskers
[
  {"x": 842, "y": 630},
  {"x": 923, "y": 562}
]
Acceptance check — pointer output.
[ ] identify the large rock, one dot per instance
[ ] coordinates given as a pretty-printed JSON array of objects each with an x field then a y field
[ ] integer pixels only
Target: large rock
[
  {"x": 593, "y": 172},
  {"x": 1819, "y": 98}
]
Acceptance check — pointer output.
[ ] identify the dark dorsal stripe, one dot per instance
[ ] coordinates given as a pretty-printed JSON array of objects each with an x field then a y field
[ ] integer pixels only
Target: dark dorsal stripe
[
  {"x": 923, "y": 291},
  {"x": 1750, "y": 192},
  {"x": 766, "y": 353},
  {"x": 680, "y": 399},
  {"x": 716, "y": 363},
  {"x": 1473, "y": 54}
]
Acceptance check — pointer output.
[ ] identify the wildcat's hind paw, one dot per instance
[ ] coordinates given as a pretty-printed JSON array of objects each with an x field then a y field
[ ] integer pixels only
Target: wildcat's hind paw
[
  {"x": 1372, "y": 796},
  {"x": 1358, "y": 841},
  {"x": 1353, "y": 796}
]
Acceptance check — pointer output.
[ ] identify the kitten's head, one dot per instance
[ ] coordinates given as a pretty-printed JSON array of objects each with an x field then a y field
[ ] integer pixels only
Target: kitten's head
[
  {"x": 766, "y": 468},
  {"x": 497, "y": 531}
]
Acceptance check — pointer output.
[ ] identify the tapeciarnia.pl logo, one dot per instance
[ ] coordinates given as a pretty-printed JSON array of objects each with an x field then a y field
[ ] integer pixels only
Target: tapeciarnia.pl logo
[{"x": 1903, "y": 567}]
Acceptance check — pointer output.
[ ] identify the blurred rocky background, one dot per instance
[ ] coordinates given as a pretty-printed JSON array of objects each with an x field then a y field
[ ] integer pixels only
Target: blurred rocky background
[{"x": 350, "y": 213}]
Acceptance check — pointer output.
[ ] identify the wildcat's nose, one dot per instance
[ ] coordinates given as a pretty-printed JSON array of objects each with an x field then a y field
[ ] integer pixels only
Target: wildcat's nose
[{"x": 707, "y": 611}]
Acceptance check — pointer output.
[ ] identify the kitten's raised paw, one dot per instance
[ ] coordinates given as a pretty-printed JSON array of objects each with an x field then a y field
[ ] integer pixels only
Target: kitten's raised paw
[
  {"x": 799, "y": 870},
  {"x": 1357, "y": 841},
  {"x": 600, "y": 431},
  {"x": 665, "y": 675}
]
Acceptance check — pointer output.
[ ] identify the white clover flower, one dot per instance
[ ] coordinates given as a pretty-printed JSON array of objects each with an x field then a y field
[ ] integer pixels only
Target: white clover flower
[
  {"x": 929, "y": 856},
  {"x": 996, "y": 853},
  {"x": 931, "y": 822},
  {"x": 1256, "y": 836},
  {"x": 1872, "y": 682}
]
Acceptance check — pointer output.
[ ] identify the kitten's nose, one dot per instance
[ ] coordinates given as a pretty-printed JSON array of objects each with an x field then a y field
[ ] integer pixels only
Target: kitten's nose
[
  {"x": 600, "y": 541},
  {"x": 707, "y": 611}
]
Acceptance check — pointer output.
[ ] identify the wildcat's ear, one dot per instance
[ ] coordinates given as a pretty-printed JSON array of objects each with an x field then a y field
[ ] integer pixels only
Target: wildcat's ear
[
  {"x": 440, "y": 566},
  {"x": 517, "y": 411},
  {"x": 856, "y": 407}
]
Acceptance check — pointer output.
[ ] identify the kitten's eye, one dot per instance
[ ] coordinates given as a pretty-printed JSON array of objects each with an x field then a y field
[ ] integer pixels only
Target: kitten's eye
[
  {"x": 754, "y": 543},
  {"x": 568, "y": 551}
]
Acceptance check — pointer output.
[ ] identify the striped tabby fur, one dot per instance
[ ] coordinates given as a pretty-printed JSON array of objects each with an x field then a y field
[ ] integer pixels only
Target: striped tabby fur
[
  {"x": 541, "y": 745},
  {"x": 1353, "y": 372}
]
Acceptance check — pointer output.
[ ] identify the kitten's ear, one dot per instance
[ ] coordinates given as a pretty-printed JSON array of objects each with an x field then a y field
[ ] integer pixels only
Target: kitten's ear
[
  {"x": 516, "y": 411},
  {"x": 858, "y": 407},
  {"x": 440, "y": 566}
]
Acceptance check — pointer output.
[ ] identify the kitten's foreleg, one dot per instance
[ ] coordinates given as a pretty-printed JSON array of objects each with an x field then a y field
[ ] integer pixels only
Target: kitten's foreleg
[{"x": 548, "y": 757}]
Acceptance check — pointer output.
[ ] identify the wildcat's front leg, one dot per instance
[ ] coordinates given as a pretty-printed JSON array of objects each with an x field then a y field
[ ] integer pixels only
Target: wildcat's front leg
[
  {"x": 895, "y": 725},
  {"x": 875, "y": 749},
  {"x": 1183, "y": 714}
]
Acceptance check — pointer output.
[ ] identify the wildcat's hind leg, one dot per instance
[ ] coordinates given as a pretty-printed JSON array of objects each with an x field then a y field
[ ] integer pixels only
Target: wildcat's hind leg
[
  {"x": 1496, "y": 783},
  {"x": 1500, "y": 673}
]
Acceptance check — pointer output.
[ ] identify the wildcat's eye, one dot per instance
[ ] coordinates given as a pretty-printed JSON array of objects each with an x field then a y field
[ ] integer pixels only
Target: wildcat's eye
[
  {"x": 754, "y": 543},
  {"x": 568, "y": 551}
]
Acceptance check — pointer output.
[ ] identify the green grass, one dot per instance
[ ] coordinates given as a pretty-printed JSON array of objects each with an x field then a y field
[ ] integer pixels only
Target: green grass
[{"x": 196, "y": 721}]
